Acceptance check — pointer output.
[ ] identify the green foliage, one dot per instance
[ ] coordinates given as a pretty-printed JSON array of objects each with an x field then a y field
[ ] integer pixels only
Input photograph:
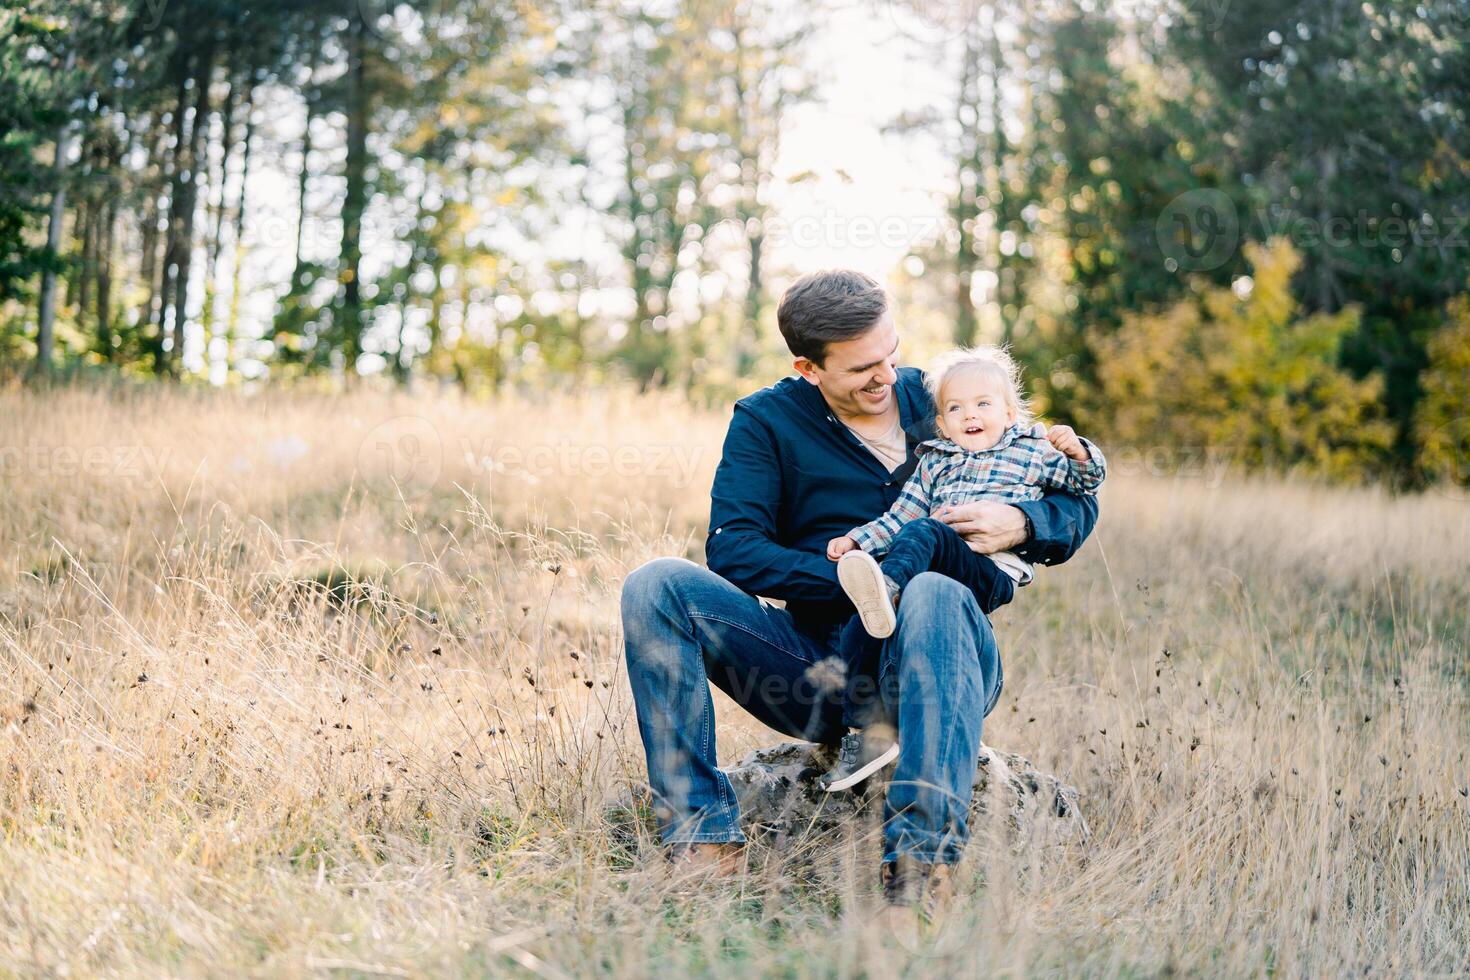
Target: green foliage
[
  {"x": 1442, "y": 424},
  {"x": 1249, "y": 377},
  {"x": 1347, "y": 133},
  {"x": 28, "y": 118},
  {"x": 1340, "y": 129}
]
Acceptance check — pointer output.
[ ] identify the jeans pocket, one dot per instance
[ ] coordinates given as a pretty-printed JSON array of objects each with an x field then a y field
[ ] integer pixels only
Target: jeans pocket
[{"x": 1000, "y": 683}]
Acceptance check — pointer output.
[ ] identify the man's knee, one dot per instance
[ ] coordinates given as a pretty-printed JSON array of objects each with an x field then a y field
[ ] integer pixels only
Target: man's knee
[
  {"x": 654, "y": 614},
  {"x": 935, "y": 604},
  {"x": 647, "y": 584},
  {"x": 929, "y": 591}
]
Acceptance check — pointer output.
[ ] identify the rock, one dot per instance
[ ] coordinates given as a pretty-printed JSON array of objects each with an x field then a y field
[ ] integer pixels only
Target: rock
[
  {"x": 783, "y": 811},
  {"x": 781, "y": 804}
]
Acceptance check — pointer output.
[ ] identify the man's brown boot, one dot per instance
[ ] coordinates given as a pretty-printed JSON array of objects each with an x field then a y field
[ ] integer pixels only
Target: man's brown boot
[
  {"x": 716, "y": 860},
  {"x": 925, "y": 889}
]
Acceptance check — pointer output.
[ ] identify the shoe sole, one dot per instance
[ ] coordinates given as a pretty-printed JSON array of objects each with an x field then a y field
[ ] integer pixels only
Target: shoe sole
[
  {"x": 861, "y": 578},
  {"x": 852, "y": 779}
]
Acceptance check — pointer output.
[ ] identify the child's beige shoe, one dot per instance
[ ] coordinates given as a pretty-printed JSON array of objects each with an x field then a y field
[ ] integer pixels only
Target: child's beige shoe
[{"x": 863, "y": 581}]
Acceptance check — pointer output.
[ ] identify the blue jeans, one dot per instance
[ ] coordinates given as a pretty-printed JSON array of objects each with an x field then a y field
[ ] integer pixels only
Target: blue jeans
[
  {"x": 939, "y": 675},
  {"x": 924, "y": 545}
]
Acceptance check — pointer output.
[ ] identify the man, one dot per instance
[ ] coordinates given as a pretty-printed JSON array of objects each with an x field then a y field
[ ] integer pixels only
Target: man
[{"x": 806, "y": 460}]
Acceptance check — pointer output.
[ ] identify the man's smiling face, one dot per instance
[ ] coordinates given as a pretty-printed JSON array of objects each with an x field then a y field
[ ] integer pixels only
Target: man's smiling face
[{"x": 856, "y": 376}]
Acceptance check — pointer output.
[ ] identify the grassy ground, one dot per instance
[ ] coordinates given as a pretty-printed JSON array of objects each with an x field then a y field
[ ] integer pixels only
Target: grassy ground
[{"x": 264, "y": 710}]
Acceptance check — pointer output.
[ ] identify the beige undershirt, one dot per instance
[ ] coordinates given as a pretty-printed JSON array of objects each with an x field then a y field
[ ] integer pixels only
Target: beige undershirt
[{"x": 890, "y": 449}]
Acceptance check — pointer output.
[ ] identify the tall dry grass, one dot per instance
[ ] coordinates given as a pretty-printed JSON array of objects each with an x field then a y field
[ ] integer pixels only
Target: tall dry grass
[{"x": 264, "y": 711}]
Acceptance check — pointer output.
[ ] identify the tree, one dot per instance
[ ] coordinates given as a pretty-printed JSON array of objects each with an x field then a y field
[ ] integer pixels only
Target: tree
[
  {"x": 985, "y": 243},
  {"x": 481, "y": 121},
  {"x": 49, "y": 51},
  {"x": 30, "y": 116},
  {"x": 1348, "y": 128},
  {"x": 765, "y": 78},
  {"x": 663, "y": 74}
]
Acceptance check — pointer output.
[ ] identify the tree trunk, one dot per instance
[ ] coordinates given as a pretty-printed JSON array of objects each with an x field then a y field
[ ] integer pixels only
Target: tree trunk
[
  {"x": 1007, "y": 288},
  {"x": 85, "y": 228},
  {"x": 105, "y": 341},
  {"x": 639, "y": 276},
  {"x": 754, "y": 303},
  {"x": 216, "y": 209},
  {"x": 177, "y": 167},
  {"x": 232, "y": 325},
  {"x": 188, "y": 205},
  {"x": 403, "y": 363},
  {"x": 751, "y": 210},
  {"x": 969, "y": 176},
  {"x": 356, "y": 199},
  {"x": 46, "y": 313},
  {"x": 304, "y": 175},
  {"x": 148, "y": 262},
  {"x": 436, "y": 355}
]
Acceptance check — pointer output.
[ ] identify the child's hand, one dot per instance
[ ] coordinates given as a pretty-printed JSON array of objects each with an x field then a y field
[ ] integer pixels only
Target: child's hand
[
  {"x": 1066, "y": 440},
  {"x": 838, "y": 547}
]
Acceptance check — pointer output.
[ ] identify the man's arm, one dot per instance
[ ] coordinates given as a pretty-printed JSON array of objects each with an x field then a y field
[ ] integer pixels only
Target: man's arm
[
  {"x": 1046, "y": 531},
  {"x": 744, "y": 501}
]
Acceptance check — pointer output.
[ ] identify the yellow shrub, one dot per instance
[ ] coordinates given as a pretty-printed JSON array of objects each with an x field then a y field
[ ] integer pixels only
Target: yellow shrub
[
  {"x": 1240, "y": 374},
  {"x": 1442, "y": 422}
]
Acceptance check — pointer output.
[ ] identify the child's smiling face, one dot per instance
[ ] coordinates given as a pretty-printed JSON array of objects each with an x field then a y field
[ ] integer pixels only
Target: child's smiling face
[{"x": 975, "y": 408}]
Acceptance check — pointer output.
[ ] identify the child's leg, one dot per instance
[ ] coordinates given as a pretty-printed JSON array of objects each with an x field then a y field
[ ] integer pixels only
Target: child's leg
[
  {"x": 861, "y": 705},
  {"x": 929, "y": 545}
]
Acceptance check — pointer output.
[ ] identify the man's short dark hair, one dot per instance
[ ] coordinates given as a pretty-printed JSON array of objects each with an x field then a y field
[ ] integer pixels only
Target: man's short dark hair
[{"x": 828, "y": 307}]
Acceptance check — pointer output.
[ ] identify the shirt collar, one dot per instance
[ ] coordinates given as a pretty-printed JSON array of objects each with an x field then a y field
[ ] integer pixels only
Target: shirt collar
[
  {"x": 1013, "y": 432},
  {"x": 915, "y": 408}
]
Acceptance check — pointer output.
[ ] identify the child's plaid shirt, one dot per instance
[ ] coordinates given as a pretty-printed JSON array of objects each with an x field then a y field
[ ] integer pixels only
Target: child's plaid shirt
[{"x": 1018, "y": 467}]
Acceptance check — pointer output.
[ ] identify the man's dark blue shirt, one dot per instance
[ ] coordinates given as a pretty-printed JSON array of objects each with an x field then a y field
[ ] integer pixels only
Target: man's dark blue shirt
[{"x": 792, "y": 477}]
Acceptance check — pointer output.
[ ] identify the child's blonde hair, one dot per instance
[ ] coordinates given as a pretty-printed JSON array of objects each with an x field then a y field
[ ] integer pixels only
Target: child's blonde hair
[{"x": 994, "y": 361}]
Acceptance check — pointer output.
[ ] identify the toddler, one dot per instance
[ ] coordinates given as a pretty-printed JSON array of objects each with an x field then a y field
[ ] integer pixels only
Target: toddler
[{"x": 989, "y": 449}]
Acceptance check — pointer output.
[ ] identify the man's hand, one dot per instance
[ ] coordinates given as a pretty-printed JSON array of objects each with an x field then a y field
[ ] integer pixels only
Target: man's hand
[
  {"x": 838, "y": 547},
  {"x": 987, "y": 526},
  {"x": 1066, "y": 440}
]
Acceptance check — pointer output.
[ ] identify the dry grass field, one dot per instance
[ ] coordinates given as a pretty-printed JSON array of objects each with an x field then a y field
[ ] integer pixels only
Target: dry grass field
[{"x": 267, "y": 710}]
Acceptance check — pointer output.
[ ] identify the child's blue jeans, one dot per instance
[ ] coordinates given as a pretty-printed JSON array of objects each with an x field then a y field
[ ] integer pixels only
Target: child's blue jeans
[{"x": 925, "y": 545}]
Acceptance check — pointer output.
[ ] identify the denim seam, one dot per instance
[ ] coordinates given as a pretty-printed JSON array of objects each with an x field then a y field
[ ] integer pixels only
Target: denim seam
[
  {"x": 707, "y": 725},
  {"x": 706, "y": 837},
  {"x": 729, "y": 814},
  {"x": 1000, "y": 683},
  {"x": 936, "y": 841},
  {"x": 694, "y": 613}
]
